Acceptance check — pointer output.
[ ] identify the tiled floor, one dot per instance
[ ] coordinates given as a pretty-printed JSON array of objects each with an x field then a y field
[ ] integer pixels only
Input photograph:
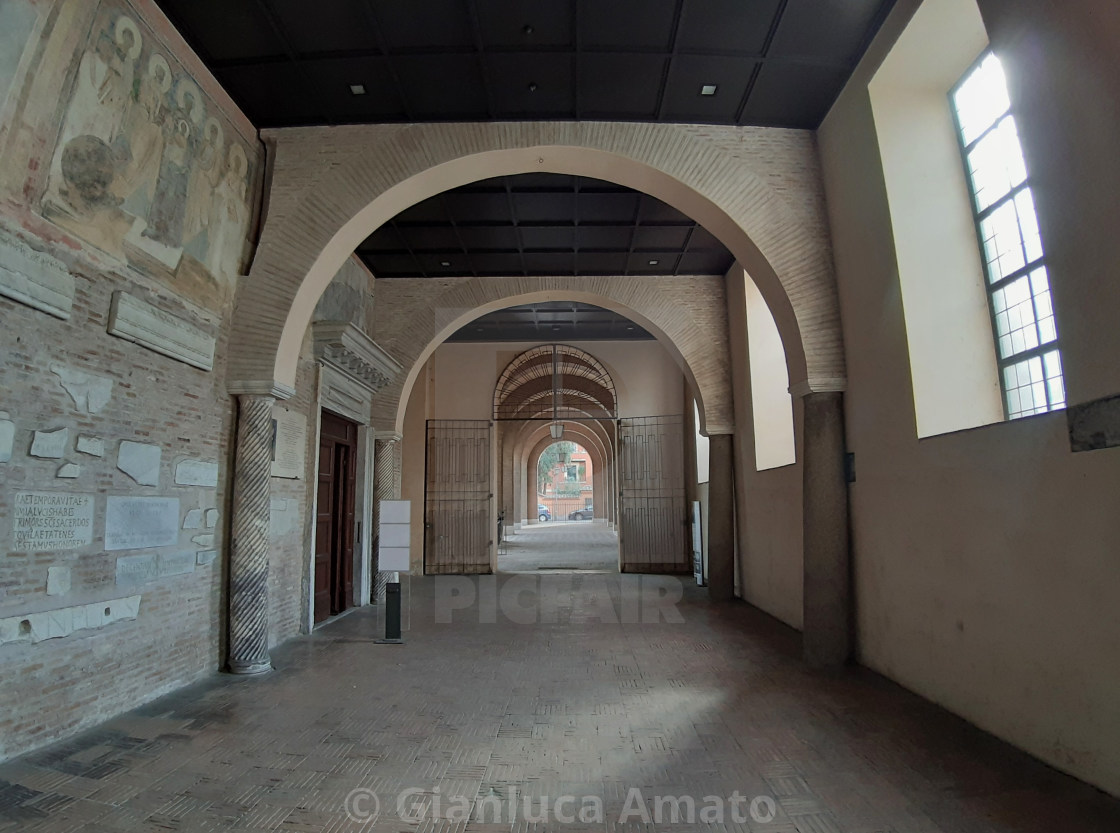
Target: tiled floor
[
  {"x": 579, "y": 697},
  {"x": 553, "y": 545}
]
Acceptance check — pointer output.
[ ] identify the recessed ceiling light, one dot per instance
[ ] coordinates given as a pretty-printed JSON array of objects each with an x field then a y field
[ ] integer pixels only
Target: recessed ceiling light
[
  {"x": 527, "y": 29},
  {"x": 708, "y": 89},
  {"x": 445, "y": 263},
  {"x": 532, "y": 87},
  {"x": 358, "y": 89},
  {"x": 654, "y": 262}
]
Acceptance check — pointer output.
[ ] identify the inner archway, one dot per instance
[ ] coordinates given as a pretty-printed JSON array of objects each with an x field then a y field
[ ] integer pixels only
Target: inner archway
[{"x": 375, "y": 174}]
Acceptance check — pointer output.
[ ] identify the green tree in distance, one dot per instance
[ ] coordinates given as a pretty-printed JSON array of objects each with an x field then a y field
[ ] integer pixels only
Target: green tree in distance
[{"x": 549, "y": 458}]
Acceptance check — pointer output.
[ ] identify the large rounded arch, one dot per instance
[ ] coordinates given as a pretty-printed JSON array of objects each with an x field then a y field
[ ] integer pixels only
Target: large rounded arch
[
  {"x": 695, "y": 341},
  {"x": 331, "y": 187}
]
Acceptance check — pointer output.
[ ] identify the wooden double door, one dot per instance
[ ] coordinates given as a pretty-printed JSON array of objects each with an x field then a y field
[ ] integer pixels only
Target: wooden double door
[{"x": 334, "y": 516}]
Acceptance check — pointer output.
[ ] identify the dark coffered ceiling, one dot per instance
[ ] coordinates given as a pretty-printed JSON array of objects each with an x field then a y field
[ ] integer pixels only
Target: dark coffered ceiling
[
  {"x": 292, "y": 62},
  {"x": 552, "y": 321},
  {"x": 542, "y": 224}
]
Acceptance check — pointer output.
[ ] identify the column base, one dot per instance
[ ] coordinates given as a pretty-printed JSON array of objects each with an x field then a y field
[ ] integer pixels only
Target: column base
[{"x": 250, "y": 668}]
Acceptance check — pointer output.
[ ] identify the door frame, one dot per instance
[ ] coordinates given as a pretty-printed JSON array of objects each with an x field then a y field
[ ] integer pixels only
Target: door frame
[{"x": 336, "y": 393}]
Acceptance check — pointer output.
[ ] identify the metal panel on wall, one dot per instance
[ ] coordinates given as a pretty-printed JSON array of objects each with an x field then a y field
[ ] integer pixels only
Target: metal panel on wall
[
  {"x": 457, "y": 497},
  {"x": 652, "y": 513}
]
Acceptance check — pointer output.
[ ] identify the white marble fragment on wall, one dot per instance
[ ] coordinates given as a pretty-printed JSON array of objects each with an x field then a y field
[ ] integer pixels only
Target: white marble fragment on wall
[
  {"x": 50, "y": 445},
  {"x": 140, "y": 461},
  {"x": 90, "y": 393}
]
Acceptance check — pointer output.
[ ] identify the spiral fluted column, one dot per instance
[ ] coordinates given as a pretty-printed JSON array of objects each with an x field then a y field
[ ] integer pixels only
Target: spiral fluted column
[{"x": 248, "y": 572}]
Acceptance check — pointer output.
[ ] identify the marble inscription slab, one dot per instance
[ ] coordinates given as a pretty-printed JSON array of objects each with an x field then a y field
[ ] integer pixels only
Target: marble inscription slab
[
  {"x": 52, "y": 521},
  {"x": 138, "y": 321},
  {"x": 139, "y": 522},
  {"x": 289, "y": 445},
  {"x": 35, "y": 279},
  {"x": 196, "y": 473}
]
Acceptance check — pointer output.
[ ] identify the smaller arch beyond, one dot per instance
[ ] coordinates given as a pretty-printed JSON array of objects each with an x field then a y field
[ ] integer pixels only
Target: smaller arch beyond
[
  {"x": 705, "y": 391},
  {"x": 555, "y": 380},
  {"x": 299, "y": 268}
]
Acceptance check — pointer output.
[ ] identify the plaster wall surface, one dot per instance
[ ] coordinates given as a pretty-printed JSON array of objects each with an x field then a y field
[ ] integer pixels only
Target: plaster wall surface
[
  {"x": 768, "y": 503},
  {"x": 647, "y": 380},
  {"x": 984, "y": 560}
]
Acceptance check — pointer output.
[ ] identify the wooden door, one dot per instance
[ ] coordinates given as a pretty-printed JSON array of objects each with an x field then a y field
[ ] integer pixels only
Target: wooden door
[{"x": 334, "y": 516}]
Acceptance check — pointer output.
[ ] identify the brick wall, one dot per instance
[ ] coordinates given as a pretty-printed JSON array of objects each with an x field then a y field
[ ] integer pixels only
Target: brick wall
[{"x": 63, "y": 664}]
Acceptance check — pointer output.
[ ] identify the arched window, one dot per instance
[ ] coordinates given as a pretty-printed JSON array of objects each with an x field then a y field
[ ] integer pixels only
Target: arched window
[{"x": 1030, "y": 365}]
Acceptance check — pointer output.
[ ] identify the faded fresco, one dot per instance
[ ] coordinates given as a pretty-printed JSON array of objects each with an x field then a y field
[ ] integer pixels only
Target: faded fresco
[{"x": 144, "y": 165}]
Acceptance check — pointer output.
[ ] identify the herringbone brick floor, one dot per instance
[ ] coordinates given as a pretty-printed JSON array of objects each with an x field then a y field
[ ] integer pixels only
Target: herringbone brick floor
[{"x": 545, "y": 685}]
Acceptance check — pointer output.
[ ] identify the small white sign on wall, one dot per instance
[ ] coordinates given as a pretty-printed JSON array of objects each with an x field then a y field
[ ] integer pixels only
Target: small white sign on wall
[{"x": 393, "y": 536}]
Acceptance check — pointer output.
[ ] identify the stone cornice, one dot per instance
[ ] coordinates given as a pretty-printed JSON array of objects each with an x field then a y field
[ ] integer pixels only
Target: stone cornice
[{"x": 348, "y": 350}]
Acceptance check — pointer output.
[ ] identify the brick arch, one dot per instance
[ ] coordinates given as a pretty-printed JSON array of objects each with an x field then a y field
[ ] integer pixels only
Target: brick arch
[
  {"x": 531, "y": 447},
  {"x": 530, "y": 434},
  {"x": 695, "y": 335},
  {"x": 331, "y": 187}
]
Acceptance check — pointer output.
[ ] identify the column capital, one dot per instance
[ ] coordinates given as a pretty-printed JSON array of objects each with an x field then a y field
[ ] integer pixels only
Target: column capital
[
  {"x": 261, "y": 387},
  {"x": 387, "y": 436},
  {"x": 821, "y": 384},
  {"x": 718, "y": 430}
]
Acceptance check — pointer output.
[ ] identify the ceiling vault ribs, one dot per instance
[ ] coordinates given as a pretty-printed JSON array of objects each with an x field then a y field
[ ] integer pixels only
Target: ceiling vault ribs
[{"x": 554, "y": 381}]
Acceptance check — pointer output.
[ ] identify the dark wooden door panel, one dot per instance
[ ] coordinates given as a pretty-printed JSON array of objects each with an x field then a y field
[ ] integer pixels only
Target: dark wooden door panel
[{"x": 334, "y": 516}]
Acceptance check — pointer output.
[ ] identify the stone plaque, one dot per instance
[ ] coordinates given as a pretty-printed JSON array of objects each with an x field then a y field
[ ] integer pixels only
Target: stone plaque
[
  {"x": 7, "y": 437},
  {"x": 138, "y": 321},
  {"x": 58, "y": 581},
  {"x": 90, "y": 393},
  {"x": 35, "y": 278},
  {"x": 176, "y": 563},
  {"x": 289, "y": 443},
  {"x": 139, "y": 522},
  {"x": 136, "y": 569},
  {"x": 94, "y": 446},
  {"x": 140, "y": 461},
  {"x": 50, "y": 444},
  {"x": 52, "y": 521},
  {"x": 196, "y": 473}
]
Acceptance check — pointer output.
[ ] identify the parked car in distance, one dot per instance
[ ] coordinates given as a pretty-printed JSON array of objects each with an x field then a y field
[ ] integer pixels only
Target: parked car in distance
[
  {"x": 584, "y": 514},
  {"x": 542, "y": 513}
]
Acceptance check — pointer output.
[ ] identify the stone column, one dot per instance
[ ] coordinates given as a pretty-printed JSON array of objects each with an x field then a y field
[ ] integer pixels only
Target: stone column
[
  {"x": 386, "y": 486},
  {"x": 827, "y": 594},
  {"x": 721, "y": 519},
  {"x": 248, "y": 569}
]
